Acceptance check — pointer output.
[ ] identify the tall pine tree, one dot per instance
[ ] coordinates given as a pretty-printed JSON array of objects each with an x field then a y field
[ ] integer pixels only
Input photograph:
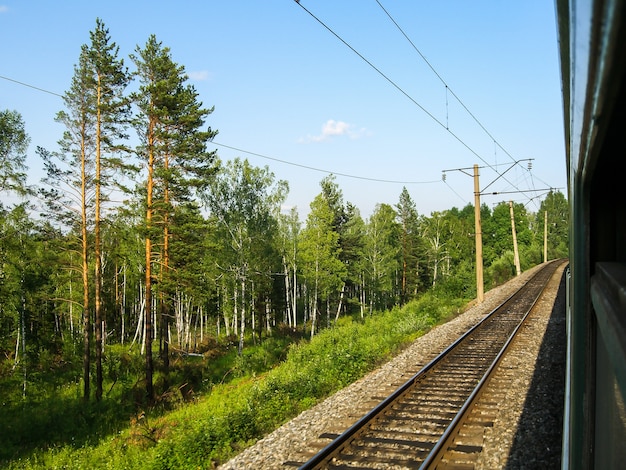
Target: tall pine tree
[
  {"x": 13, "y": 145},
  {"x": 112, "y": 109},
  {"x": 409, "y": 245},
  {"x": 173, "y": 152},
  {"x": 70, "y": 178}
]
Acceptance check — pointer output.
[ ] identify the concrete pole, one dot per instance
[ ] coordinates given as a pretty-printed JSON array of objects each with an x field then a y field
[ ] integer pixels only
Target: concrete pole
[
  {"x": 480, "y": 296},
  {"x": 518, "y": 271}
]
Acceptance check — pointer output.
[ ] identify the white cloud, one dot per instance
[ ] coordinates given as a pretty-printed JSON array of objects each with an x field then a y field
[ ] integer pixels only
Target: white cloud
[
  {"x": 332, "y": 128},
  {"x": 199, "y": 75},
  {"x": 4, "y": 8}
]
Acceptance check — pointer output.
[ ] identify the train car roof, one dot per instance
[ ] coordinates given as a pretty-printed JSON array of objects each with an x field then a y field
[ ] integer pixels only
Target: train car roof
[{"x": 592, "y": 43}]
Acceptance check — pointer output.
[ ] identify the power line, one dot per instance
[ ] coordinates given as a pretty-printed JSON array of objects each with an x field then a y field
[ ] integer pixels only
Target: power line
[
  {"x": 345, "y": 175},
  {"x": 495, "y": 193},
  {"x": 31, "y": 86},
  {"x": 448, "y": 89},
  {"x": 395, "y": 85},
  {"x": 377, "y": 180},
  {"x": 501, "y": 175},
  {"x": 455, "y": 192}
]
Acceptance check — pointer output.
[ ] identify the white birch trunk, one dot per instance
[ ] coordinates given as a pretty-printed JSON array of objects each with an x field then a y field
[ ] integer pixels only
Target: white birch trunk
[
  {"x": 343, "y": 288},
  {"x": 288, "y": 313},
  {"x": 242, "y": 326},
  {"x": 294, "y": 298},
  {"x": 314, "y": 312}
]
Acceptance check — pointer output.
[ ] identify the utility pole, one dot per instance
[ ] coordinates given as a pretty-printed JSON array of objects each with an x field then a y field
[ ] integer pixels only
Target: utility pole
[
  {"x": 478, "y": 228},
  {"x": 545, "y": 236},
  {"x": 480, "y": 292},
  {"x": 518, "y": 271}
]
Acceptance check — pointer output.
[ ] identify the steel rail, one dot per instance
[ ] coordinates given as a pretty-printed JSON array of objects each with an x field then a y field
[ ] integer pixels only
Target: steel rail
[
  {"x": 438, "y": 451},
  {"x": 360, "y": 426}
]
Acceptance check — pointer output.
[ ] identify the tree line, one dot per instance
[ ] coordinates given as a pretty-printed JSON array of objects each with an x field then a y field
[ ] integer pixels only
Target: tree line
[{"x": 149, "y": 239}]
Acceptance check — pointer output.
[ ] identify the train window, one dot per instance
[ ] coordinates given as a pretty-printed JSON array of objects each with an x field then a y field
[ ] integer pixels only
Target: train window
[{"x": 608, "y": 295}]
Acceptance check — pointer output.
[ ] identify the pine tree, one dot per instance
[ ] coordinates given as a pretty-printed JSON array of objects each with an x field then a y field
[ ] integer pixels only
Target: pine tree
[
  {"x": 111, "y": 115},
  {"x": 173, "y": 151},
  {"x": 95, "y": 117},
  {"x": 70, "y": 179},
  {"x": 13, "y": 145},
  {"x": 409, "y": 245}
]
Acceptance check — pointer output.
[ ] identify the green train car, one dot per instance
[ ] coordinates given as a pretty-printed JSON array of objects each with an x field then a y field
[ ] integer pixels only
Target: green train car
[{"x": 592, "y": 42}]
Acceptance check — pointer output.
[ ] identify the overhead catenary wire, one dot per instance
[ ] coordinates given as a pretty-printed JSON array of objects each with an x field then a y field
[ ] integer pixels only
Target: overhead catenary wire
[
  {"x": 476, "y": 120},
  {"x": 463, "y": 105},
  {"x": 455, "y": 192},
  {"x": 393, "y": 83},
  {"x": 448, "y": 89},
  {"x": 414, "y": 101},
  {"x": 516, "y": 190},
  {"x": 443, "y": 125}
]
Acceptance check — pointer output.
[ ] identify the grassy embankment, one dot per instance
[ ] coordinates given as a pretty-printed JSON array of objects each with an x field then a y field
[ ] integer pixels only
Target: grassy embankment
[{"x": 224, "y": 402}]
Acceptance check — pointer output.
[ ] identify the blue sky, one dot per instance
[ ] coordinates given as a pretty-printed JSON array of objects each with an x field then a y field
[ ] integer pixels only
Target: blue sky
[{"x": 285, "y": 87}]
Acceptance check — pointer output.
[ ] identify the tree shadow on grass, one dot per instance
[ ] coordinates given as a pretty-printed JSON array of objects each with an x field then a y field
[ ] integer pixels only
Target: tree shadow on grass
[
  {"x": 58, "y": 421},
  {"x": 54, "y": 415}
]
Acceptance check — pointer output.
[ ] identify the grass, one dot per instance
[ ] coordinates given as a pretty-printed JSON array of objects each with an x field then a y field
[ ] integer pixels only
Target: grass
[{"x": 222, "y": 403}]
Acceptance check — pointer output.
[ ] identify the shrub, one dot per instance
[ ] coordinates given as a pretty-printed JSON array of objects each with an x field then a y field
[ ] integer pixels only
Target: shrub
[{"x": 232, "y": 416}]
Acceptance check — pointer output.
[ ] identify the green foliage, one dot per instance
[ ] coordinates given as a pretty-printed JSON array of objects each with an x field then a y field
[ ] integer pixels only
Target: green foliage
[
  {"x": 241, "y": 258},
  {"x": 381, "y": 255},
  {"x": 502, "y": 269},
  {"x": 555, "y": 210},
  {"x": 461, "y": 285},
  {"x": 13, "y": 145},
  {"x": 311, "y": 371},
  {"x": 319, "y": 254},
  {"x": 212, "y": 428},
  {"x": 410, "y": 245}
]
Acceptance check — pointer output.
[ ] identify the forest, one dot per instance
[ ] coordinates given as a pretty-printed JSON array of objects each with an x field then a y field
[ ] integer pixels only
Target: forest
[{"x": 141, "y": 261}]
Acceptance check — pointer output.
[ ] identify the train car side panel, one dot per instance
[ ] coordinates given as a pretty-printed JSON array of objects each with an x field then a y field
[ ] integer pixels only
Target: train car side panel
[{"x": 592, "y": 41}]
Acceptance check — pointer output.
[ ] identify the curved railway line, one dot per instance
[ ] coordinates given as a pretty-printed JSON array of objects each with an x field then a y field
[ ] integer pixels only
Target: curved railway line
[{"x": 432, "y": 418}]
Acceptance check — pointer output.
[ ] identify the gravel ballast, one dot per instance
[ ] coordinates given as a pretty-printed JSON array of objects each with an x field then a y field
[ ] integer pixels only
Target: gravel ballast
[{"x": 526, "y": 434}]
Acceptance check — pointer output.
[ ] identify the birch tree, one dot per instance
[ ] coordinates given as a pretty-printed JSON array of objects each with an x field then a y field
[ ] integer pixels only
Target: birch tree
[
  {"x": 434, "y": 232},
  {"x": 245, "y": 200},
  {"x": 319, "y": 252},
  {"x": 13, "y": 145},
  {"x": 381, "y": 255},
  {"x": 353, "y": 256},
  {"x": 289, "y": 233}
]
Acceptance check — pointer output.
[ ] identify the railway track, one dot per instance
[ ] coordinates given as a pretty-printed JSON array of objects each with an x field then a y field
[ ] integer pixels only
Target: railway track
[{"x": 417, "y": 423}]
